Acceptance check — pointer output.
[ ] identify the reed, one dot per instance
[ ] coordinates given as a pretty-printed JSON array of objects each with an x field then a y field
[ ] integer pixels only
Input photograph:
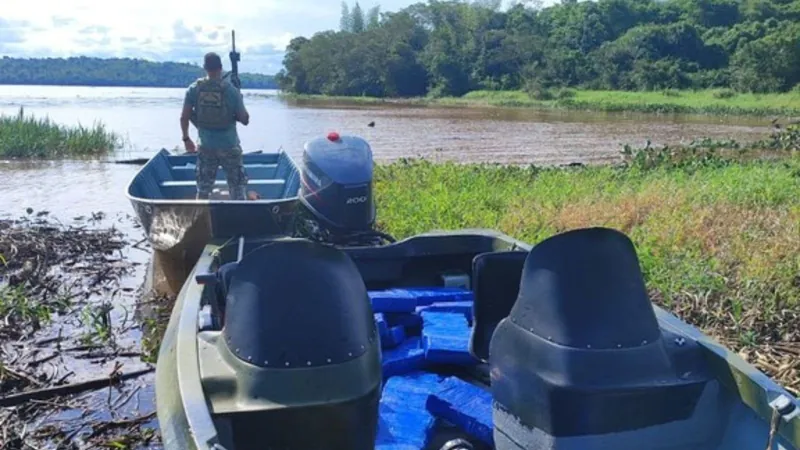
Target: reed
[{"x": 27, "y": 136}]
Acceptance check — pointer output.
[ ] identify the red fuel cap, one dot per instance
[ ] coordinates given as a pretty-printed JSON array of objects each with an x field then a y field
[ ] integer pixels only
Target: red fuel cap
[{"x": 333, "y": 136}]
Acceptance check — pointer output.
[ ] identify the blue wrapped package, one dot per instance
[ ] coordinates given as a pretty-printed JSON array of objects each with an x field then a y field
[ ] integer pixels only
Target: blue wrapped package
[
  {"x": 445, "y": 338},
  {"x": 406, "y": 358},
  {"x": 466, "y": 406},
  {"x": 404, "y": 421}
]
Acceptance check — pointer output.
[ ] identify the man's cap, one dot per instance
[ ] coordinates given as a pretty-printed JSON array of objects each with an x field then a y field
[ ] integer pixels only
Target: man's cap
[{"x": 212, "y": 61}]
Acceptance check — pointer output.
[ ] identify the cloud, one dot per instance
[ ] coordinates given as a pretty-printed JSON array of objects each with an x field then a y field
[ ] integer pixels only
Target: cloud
[
  {"x": 12, "y": 32},
  {"x": 168, "y": 30},
  {"x": 95, "y": 29},
  {"x": 59, "y": 21}
]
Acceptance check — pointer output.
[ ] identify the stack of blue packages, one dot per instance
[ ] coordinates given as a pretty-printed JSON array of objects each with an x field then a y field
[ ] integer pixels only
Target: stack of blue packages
[
  {"x": 420, "y": 328},
  {"x": 419, "y": 325}
]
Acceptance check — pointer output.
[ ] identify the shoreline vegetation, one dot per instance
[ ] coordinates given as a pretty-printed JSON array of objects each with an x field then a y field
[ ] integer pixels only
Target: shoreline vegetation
[
  {"x": 673, "y": 56},
  {"x": 27, "y": 136},
  {"x": 116, "y": 72},
  {"x": 716, "y": 102}
]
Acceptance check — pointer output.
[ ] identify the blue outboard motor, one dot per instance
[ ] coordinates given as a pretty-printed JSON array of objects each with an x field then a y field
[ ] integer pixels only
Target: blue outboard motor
[{"x": 336, "y": 192}]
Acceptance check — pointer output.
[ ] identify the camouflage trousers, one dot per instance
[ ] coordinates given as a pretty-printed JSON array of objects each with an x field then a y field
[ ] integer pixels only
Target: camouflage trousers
[{"x": 209, "y": 160}]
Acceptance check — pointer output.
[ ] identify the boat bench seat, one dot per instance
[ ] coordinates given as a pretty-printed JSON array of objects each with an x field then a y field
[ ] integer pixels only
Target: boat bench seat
[
  {"x": 246, "y": 166},
  {"x": 267, "y": 189},
  {"x": 193, "y": 183}
]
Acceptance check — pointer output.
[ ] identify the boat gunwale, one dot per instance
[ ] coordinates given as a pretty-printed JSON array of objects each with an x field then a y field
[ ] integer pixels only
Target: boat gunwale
[
  {"x": 204, "y": 202},
  {"x": 746, "y": 382},
  {"x": 198, "y": 415}
]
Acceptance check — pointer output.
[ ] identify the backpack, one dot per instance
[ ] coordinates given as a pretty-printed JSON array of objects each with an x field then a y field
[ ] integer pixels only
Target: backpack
[{"x": 212, "y": 110}]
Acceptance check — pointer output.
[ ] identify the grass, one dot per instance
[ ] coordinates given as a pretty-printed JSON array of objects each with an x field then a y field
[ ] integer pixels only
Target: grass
[
  {"x": 24, "y": 136},
  {"x": 717, "y": 102},
  {"x": 712, "y": 102},
  {"x": 718, "y": 235}
]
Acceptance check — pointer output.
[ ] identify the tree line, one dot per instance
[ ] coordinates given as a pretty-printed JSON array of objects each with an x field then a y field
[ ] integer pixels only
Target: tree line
[
  {"x": 448, "y": 48},
  {"x": 86, "y": 71}
]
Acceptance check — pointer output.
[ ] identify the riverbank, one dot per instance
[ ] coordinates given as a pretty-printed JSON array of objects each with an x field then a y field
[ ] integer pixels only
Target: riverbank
[
  {"x": 27, "y": 136},
  {"x": 710, "y": 102},
  {"x": 717, "y": 228},
  {"x": 70, "y": 354}
]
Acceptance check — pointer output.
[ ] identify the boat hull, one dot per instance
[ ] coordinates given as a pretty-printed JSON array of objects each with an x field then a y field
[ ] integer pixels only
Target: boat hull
[{"x": 177, "y": 226}]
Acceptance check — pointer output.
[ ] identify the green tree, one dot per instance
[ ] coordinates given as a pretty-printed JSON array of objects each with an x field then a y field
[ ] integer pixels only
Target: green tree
[
  {"x": 358, "y": 19},
  {"x": 449, "y": 47},
  {"x": 346, "y": 19},
  {"x": 770, "y": 63},
  {"x": 85, "y": 71},
  {"x": 374, "y": 17}
]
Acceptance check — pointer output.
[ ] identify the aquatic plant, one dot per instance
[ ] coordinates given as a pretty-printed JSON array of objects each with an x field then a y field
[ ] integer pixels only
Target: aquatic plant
[{"x": 24, "y": 136}]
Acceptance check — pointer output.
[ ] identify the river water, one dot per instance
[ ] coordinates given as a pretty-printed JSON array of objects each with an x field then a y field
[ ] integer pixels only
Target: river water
[{"x": 148, "y": 119}]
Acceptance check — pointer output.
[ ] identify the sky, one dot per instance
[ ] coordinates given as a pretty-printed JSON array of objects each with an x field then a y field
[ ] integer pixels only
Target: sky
[{"x": 167, "y": 30}]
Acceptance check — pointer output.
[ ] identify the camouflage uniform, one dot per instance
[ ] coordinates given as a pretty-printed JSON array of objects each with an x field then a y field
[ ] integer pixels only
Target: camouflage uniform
[
  {"x": 209, "y": 159},
  {"x": 214, "y": 104}
]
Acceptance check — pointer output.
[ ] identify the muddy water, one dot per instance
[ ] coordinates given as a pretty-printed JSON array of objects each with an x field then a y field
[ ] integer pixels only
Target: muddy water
[{"x": 148, "y": 118}]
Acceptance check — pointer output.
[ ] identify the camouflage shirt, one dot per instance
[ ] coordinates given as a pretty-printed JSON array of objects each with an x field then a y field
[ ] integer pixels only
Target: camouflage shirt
[{"x": 217, "y": 139}]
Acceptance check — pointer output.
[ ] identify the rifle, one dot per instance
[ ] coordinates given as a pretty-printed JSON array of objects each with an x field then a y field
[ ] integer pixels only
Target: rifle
[{"x": 235, "y": 58}]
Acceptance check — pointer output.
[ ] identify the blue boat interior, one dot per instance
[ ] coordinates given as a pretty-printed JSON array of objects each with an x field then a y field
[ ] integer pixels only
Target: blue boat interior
[
  {"x": 173, "y": 177},
  {"x": 481, "y": 344}
]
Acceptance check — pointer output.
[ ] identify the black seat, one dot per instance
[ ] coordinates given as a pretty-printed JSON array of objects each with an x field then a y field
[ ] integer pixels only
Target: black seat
[
  {"x": 581, "y": 352},
  {"x": 223, "y": 282},
  {"x": 495, "y": 286},
  {"x": 295, "y": 301},
  {"x": 300, "y": 321}
]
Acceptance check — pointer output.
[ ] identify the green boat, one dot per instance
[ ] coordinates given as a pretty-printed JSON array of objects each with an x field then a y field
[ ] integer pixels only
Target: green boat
[{"x": 449, "y": 340}]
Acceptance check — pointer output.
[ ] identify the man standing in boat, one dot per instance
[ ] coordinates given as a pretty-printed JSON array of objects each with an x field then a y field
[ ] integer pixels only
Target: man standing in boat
[{"x": 214, "y": 105}]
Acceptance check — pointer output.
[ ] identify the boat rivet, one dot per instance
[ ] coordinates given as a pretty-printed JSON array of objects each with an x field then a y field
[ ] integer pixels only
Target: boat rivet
[
  {"x": 362, "y": 347},
  {"x": 680, "y": 341},
  {"x": 287, "y": 364},
  {"x": 619, "y": 345},
  {"x": 249, "y": 358},
  {"x": 266, "y": 363},
  {"x": 350, "y": 354},
  {"x": 644, "y": 342},
  {"x": 588, "y": 346},
  {"x": 329, "y": 360},
  {"x": 308, "y": 363}
]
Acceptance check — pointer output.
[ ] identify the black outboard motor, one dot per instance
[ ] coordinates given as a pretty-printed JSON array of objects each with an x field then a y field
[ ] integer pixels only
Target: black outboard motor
[
  {"x": 336, "y": 192},
  {"x": 581, "y": 363}
]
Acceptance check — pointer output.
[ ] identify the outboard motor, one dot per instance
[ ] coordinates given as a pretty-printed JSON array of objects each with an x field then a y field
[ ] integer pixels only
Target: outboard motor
[
  {"x": 580, "y": 362},
  {"x": 300, "y": 336},
  {"x": 336, "y": 192}
]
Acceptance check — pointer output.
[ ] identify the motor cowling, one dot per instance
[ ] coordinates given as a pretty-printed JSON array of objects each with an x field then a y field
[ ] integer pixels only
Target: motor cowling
[{"x": 336, "y": 183}]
